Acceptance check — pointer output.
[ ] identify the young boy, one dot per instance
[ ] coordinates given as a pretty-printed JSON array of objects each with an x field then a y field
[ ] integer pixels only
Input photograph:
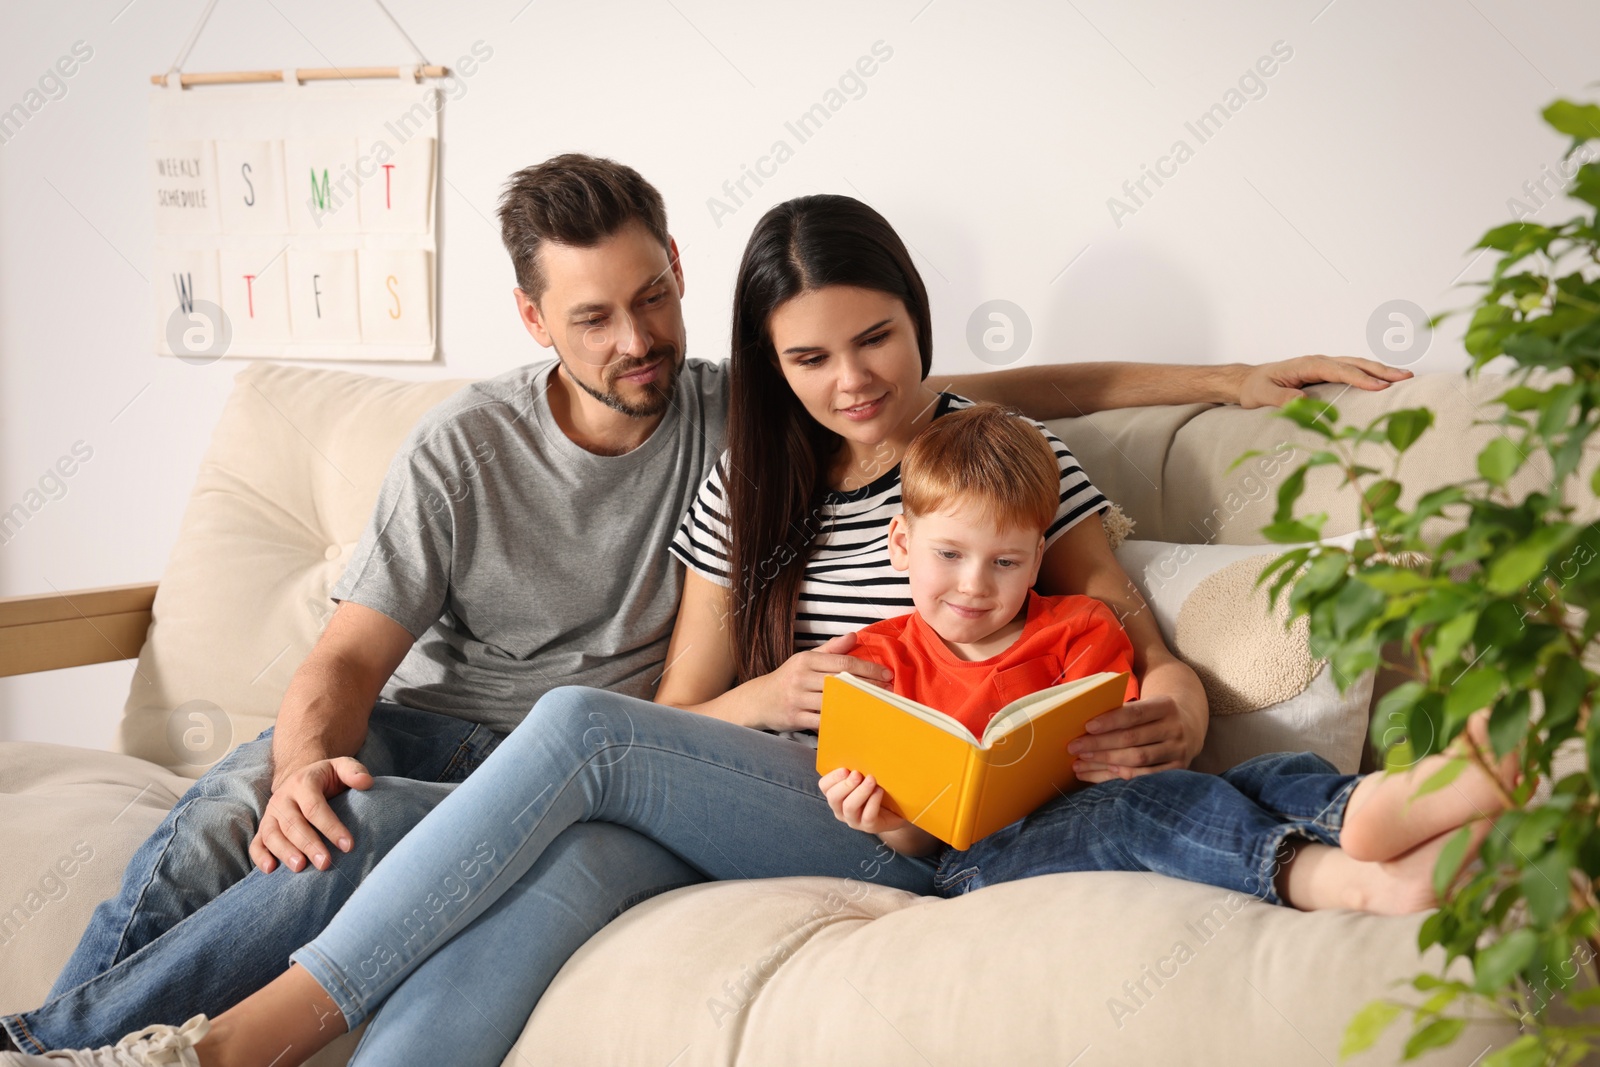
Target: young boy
[{"x": 978, "y": 488}]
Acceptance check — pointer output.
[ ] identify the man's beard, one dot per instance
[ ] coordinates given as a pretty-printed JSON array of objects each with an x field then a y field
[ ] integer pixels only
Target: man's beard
[{"x": 658, "y": 394}]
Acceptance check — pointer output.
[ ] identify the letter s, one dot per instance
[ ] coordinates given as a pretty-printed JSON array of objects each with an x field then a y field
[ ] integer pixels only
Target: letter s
[
  {"x": 1283, "y": 51},
  {"x": 482, "y": 51},
  {"x": 82, "y": 50},
  {"x": 882, "y": 50},
  {"x": 83, "y": 851},
  {"x": 244, "y": 172},
  {"x": 83, "y": 451}
]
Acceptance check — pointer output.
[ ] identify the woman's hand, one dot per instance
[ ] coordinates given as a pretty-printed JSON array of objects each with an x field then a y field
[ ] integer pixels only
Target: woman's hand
[
  {"x": 1163, "y": 729},
  {"x": 857, "y": 801},
  {"x": 790, "y": 698}
]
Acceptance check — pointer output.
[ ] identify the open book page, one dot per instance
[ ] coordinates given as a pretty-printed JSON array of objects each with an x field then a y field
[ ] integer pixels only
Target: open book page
[
  {"x": 1019, "y": 713},
  {"x": 929, "y": 715},
  {"x": 1012, "y": 717}
]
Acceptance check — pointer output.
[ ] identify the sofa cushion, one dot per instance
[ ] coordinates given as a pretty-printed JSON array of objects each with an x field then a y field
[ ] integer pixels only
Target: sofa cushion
[
  {"x": 73, "y": 818},
  {"x": 281, "y": 498},
  {"x": 1259, "y": 703},
  {"x": 1134, "y": 968}
]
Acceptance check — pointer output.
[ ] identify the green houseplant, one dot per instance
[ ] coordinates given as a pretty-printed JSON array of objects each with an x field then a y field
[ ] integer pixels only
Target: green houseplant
[{"x": 1487, "y": 588}]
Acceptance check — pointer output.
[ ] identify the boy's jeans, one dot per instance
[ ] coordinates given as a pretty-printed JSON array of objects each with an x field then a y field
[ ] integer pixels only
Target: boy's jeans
[
  {"x": 196, "y": 928},
  {"x": 1224, "y": 830}
]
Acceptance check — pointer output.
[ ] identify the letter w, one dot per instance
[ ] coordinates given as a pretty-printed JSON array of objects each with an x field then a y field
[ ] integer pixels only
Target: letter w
[{"x": 184, "y": 283}]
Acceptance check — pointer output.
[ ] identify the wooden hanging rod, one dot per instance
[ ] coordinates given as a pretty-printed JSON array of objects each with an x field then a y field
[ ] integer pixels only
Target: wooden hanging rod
[{"x": 304, "y": 74}]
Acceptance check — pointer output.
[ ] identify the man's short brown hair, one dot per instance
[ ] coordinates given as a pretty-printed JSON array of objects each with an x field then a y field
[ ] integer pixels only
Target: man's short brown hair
[
  {"x": 986, "y": 457},
  {"x": 572, "y": 199}
]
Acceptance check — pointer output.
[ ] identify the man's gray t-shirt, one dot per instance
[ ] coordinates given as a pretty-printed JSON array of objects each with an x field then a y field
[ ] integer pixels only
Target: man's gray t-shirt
[{"x": 522, "y": 562}]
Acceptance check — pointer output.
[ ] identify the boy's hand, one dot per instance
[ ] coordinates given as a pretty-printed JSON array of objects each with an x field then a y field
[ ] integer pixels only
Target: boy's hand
[{"x": 857, "y": 801}]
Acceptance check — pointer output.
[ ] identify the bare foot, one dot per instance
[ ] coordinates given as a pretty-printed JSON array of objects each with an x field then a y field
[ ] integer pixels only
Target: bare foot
[
  {"x": 1385, "y": 820},
  {"x": 1318, "y": 876}
]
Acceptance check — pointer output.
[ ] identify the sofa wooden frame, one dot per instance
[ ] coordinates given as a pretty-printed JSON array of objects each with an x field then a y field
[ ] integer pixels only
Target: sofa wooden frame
[{"x": 73, "y": 629}]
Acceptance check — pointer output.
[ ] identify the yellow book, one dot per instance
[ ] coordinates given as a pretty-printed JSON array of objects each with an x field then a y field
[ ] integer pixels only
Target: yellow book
[{"x": 934, "y": 773}]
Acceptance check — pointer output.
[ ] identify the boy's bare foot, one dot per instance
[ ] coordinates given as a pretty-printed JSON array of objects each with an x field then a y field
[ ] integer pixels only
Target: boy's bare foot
[
  {"x": 1385, "y": 820},
  {"x": 1318, "y": 876}
]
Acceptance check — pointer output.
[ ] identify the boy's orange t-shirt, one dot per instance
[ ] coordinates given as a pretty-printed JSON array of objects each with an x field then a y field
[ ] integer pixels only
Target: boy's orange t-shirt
[{"x": 1063, "y": 638}]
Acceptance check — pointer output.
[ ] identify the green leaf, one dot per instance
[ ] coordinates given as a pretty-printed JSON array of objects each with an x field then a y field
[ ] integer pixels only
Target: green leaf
[
  {"x": 1581, "y": 122},
  {"x": 1288, "y": 493},
  {"x": 1312, "y": 414},
  {"x": 1437, "y": 1034},
  {"x": 1288, "y": 533},
  {"x": 1512, "y": 236},
  {"x": 1497, "y": 964},
  {"x": 1381, "y": 494},
  {"x": 1455, "y": 849},
  {"x": 1525, "y": 1051},
  {"x": 1522, "y": 562},
  {"x": 1558, "y": 412},
  {"x": 1354, "y": 607},
  {"x": 1475, "y": 689},
  {"x": 1522, "y": 398},
  {"x": 1367, "y": 1026},
  {"x": 1508, "y": 722},
  {"x": 1253, "y": 453},
  {"x": 1545, "y": 886},
  {"x": 1406, "y": 426},
  {"x": 1452, "y": 636},
  {"x": 1438, "y": 780},
  {"x": 1499, "y": 460},
  {"x": 1564, "y": 685}
]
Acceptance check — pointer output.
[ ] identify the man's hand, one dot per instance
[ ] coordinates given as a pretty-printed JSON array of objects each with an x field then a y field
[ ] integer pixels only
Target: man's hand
[
  {"x": 1275, "y": 384},
  {"x": 298, "y": 816},
  {"x": 1162, "y": 730}
]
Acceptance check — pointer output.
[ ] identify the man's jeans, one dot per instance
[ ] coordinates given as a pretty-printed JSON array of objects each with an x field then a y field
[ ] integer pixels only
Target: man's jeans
[
  {"x": 1221, "y": 829},
  {"x": 196, "y": 927}
]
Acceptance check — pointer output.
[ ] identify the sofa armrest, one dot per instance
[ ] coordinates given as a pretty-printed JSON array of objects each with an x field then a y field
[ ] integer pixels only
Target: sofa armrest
[{"x": 54, "y": 630}]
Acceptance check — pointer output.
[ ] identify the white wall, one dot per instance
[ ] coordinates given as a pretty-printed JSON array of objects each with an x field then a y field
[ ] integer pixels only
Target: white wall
[{"x": 992, "y": 137}]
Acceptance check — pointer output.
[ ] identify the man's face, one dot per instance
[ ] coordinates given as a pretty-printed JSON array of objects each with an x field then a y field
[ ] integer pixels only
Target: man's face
[{"x": 614, "y": 315}]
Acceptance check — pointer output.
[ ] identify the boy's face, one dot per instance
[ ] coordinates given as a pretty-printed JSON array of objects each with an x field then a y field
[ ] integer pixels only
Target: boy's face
[{"x": 968, "y": 579}]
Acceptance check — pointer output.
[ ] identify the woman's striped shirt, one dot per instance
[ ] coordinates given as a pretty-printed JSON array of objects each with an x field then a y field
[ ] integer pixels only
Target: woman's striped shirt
[{"x": 848, "y": 581}]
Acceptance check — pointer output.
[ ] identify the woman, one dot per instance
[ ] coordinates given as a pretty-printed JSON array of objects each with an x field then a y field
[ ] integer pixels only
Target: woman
[{"x": 831, "y": 343}]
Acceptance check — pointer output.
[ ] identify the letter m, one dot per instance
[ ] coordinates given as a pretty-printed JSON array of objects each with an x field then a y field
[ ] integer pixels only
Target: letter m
[{"x": 319, "y": 195}]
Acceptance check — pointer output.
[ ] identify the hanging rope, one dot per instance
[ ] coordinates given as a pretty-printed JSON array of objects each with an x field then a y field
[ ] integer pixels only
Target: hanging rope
[
  {"x": 211, "y": 5},
  {"x": 194, "y": 35},
  {"x": 400, "y": 29}
]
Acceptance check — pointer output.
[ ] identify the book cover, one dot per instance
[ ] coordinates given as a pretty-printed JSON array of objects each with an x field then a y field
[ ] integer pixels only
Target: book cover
[{"x": 941, "y": 778}]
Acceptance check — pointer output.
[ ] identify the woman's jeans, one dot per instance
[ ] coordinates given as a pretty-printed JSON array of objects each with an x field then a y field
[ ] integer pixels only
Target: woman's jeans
[
  {"x": 1224, "y": 830},
  {"x": 729, "y": 801},
  {"x": 732, "y": 803}
]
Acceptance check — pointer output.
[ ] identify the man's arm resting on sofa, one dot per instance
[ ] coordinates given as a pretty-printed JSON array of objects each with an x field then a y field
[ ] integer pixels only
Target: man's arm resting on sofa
[
  {"x": 320, "y": 726},
  {"x": 1067, "y": 390}
]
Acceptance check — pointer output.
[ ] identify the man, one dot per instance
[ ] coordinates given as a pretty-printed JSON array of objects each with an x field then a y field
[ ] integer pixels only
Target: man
[{"x": 518, "y": 543}]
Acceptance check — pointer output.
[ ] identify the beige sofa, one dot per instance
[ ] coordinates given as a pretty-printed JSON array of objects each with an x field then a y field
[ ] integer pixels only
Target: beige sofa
[{"x": 1105, "y": 968}]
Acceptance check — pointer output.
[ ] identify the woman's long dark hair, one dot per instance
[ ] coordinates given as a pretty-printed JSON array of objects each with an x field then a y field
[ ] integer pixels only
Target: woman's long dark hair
[{"x": 778, "y": 455}]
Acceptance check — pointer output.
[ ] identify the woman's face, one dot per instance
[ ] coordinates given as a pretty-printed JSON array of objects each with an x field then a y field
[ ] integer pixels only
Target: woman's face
[{"x": 851, "y": 357}]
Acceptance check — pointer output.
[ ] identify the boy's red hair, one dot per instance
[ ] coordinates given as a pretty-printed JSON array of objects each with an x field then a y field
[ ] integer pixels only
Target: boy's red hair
[{"x": 986, "y": 457}]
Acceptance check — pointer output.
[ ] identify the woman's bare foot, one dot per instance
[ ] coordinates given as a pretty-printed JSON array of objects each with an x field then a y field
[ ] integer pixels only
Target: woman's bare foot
[
  {"x": 1318, "y": 876},
  {"x": 1385, "y": 820}
]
